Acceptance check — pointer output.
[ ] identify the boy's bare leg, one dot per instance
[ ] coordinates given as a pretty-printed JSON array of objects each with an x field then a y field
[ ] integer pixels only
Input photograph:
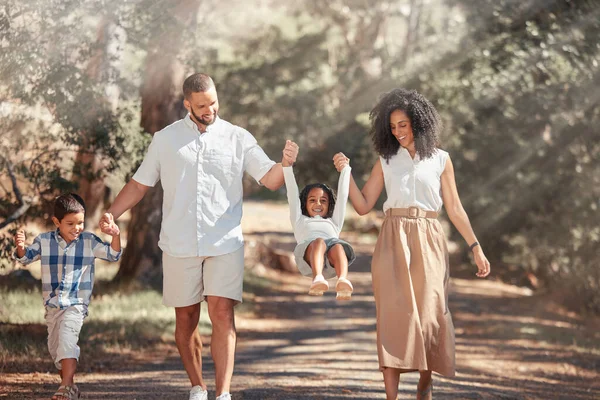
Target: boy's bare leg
[
  {"x": 339, "y": 261},
  {"x": 223, "y": 340},
  {"x": 188, "y": 342},
  {"x": 67, "y": 373}
]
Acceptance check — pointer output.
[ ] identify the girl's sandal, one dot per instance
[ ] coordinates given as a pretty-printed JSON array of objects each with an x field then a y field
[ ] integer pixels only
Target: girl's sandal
[
  {"x": 318, "y": 287},
  {"x": 67, "y": 393},
  {"x": 344, "y": 289}
]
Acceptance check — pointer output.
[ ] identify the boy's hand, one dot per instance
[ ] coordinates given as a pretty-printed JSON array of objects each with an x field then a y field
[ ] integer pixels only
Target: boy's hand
[
  {"x": 290, "y": 153},
  {"x": 340, "y": 161},
  {"x": 20, "y": 242},
  {"x": 20, "y": 239},
  {"x": 113, "y": 230}
]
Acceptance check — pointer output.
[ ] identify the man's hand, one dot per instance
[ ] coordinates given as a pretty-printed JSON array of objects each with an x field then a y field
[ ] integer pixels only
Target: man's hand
[
  {"x": 290, "y": 153},
  {"x": 340, "y": 161},
  {"x": 108, "y": 225}
]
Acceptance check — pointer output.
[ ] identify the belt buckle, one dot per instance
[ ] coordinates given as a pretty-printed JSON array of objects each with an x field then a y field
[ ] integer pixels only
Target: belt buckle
[{"x": 413, "y": 212}]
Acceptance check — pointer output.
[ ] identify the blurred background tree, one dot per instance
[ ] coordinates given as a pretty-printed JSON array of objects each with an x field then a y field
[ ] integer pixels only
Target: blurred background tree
[
  {"x": 516, "y": 82},
  {"x": 521, "y": 104}
]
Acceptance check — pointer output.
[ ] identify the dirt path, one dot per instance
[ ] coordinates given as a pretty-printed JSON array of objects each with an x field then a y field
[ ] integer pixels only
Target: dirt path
[{"x": 510, "y": 345}]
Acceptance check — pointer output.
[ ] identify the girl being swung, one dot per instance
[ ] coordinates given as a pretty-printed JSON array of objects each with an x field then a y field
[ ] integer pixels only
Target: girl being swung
[{"x": 317, "y": 220}]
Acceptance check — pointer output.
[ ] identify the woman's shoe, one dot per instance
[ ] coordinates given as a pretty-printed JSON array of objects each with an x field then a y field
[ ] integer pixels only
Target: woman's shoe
[
  {"x": 318, "y": 287},
  {"x": 344, "y": 289}
]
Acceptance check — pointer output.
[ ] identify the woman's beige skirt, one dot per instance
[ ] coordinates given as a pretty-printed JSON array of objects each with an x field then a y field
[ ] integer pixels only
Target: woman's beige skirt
[{"x": 410, "y": 281}]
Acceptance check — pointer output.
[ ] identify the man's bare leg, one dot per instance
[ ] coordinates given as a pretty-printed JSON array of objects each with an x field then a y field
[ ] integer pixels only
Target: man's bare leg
[
  {"x": 223, "y": 340},
  {"x": 188, "y": 342}
]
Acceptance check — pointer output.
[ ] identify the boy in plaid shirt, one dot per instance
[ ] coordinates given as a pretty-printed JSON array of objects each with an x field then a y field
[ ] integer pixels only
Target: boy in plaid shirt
[{"x": 67, "y": 256}]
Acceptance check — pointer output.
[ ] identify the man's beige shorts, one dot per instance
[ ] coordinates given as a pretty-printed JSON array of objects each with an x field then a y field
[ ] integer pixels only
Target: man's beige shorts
[{"x": 189, "y": 280}]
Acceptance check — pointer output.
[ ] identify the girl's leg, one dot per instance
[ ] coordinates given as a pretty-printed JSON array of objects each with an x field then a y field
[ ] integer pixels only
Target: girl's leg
[
  {"x": 339, "y": 261},
  {"x": 391, "y": 380},
  {"x": 315, "y": 256}
]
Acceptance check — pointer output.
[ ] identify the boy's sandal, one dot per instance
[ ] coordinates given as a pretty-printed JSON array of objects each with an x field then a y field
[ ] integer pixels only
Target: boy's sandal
[
  {"x": 344, "y": 289},
  {"x": 317, "y": 288},
  {"x": 67, "y": 393}
]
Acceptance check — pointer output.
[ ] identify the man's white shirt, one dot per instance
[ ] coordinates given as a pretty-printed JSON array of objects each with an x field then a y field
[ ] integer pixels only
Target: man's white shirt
[{"x": 201, "y": 175}]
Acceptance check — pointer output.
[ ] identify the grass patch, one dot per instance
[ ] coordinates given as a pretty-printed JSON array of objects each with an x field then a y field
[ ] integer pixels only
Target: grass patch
[{"x": 118, "y": 323}]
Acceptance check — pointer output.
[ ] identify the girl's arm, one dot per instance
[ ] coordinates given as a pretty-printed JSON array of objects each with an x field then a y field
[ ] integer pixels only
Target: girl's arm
[
  {"x": 342, "y": 196},
  {"x": 363, "y": 201},
  {"x": 460, "y": 219},
  {"x": 292, "y": 194}
]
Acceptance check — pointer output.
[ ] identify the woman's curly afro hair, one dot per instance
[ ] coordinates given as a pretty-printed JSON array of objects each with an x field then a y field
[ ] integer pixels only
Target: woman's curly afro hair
[
  {"x": 424, "y": 118},
  {"x": 328, "y": 191}
]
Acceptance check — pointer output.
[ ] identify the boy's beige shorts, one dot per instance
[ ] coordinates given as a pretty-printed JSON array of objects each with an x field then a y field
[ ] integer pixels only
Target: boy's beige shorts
[
  {"x": 63, "y": 332},
  {"x": 189, "y": 280}
]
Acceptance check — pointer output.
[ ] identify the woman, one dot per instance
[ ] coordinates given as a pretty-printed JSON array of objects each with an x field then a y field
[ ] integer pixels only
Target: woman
[{"x": 410, "y": 262}]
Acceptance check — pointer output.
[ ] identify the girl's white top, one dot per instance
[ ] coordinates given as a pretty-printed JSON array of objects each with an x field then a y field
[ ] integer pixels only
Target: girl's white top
[
  {"x": 310, "y": 228},
  {"x": 414, "y": 182}
]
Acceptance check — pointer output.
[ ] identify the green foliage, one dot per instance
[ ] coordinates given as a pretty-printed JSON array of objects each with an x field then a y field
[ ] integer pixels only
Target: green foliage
[
  {"x": 516, "y": 82},
  {"x": 523, "y": 111},
  {"x": 55, "y": 71}
]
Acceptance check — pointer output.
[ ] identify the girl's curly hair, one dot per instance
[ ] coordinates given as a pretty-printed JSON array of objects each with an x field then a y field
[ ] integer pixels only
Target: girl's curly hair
[
  {"x": 424, "y": 119},
  {"x": 304, "y": 197}
]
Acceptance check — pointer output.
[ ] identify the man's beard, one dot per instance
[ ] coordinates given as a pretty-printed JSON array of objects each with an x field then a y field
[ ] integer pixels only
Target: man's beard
[{"x": 202, "y": 120}]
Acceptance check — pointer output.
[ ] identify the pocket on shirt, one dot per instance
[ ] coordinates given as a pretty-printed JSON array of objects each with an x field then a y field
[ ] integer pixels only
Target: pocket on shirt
[{"x": 221, "y": 164}]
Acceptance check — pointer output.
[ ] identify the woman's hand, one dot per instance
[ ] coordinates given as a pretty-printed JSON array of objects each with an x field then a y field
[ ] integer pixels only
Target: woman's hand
[
  {"x": 340, "y": 161},
  {"x": 483, "y": 265}
]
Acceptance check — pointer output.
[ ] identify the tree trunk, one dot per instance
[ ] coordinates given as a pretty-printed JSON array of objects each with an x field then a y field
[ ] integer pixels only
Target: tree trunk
[
  {"x": 162, "y": 104},
  {"x": 87, "y": 164}
]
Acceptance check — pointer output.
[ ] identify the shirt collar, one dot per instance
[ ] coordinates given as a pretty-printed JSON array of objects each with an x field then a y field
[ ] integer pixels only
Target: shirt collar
[
  {"x": 188, "y": 121},
  {"x": 62, "y": 242},
  {"x": 407, "y": 154}
]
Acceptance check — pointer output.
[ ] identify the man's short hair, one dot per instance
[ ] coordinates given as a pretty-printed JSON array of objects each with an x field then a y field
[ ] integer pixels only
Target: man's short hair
[
  {"x": 197, "y": 83},
  {"x": 68, "y": 203}
]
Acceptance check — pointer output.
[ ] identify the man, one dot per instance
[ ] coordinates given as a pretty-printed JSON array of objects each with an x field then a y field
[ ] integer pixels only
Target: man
[{"x": 200, "y": 161}]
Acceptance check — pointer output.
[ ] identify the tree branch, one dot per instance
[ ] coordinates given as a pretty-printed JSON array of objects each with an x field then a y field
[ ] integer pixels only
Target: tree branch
[{"x": 23, "y": 205}]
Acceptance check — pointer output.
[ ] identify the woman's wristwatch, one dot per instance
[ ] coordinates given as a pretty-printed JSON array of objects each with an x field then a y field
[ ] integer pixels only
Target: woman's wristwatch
[{"x": 471, "y": 247}]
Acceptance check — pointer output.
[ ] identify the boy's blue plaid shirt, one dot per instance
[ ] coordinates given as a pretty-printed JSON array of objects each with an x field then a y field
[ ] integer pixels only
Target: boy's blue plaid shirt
[{"x": 67, "y": 270}]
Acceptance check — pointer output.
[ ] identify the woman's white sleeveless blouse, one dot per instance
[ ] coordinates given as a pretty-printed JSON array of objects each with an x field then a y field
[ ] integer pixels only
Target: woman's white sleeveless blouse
[{"x": 414, "y": 182}]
